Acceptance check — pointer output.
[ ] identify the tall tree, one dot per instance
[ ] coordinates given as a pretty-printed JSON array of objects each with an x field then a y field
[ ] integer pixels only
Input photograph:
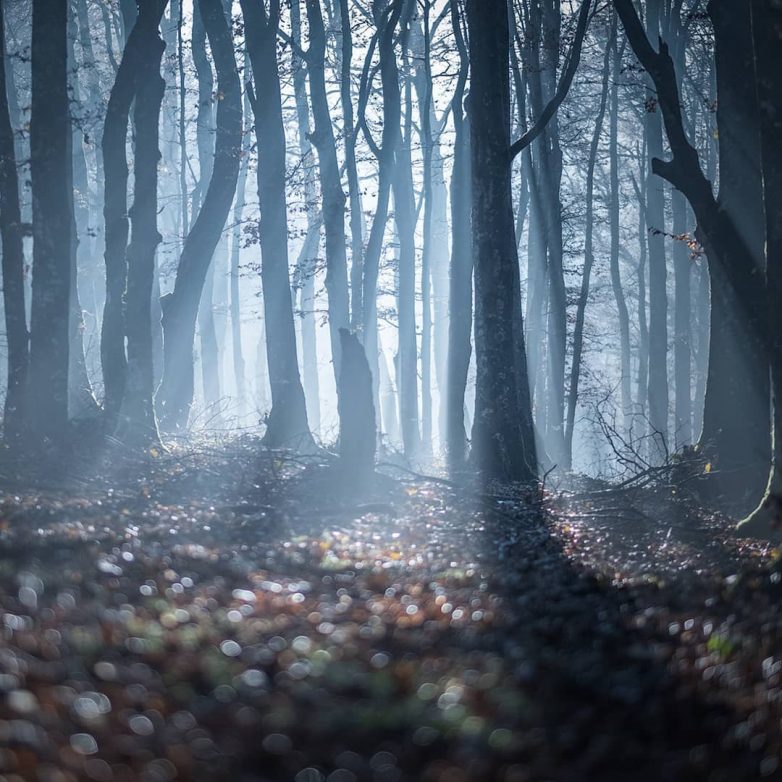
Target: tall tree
[
  {"x": 13, "y": 261},
  {"x": 767, "y": 43},
  {"x": 503, "y": 435},
  {"x": 137, "y": 423},
  {"x": 589, "y": 259},
  {"x": 330, "y": 184},
  {"x": 50, "y": 130},
  {"x": 287, "y": 423},
  {"x": 180, "y": 310},
  {"x": 461, "y": 304}
]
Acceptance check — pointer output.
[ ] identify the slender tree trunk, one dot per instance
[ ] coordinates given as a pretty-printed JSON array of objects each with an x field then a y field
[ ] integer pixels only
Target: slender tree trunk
[
  {"x": 116, "y": 230},
  {"x": 175, "y": 395},
  {"x": 236, "y": 248},
  {"x": 386, "y": 155},
  {"x": 405, "y": 219},
  {"x": 50, "y": 129},
  {"x": 589, "y": 259},
  {"x": 354, "y": 190},
  {"x": 461, "y": 305},
  {"x": 13, "y": 263},
  {"x": 658, "y": 293},
  {"x": 423, "y": 84},
  {"x": 330, "y": 185},
  {"x": 306, "y": 263},
  {"x": 616, "y": 279},
  {"x": 210, "y": 372},
  {"x": 137, "y": 425},
  {"x": 503, "y": 435},
  {"x": 81, "y": 400},
  {"x": 287, "y": 420}
]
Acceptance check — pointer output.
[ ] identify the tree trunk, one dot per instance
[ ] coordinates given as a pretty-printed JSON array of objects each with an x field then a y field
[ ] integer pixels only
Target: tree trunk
[
  {"x": 739, "y": 446},
  {"x": 503, "y": 435},
  {"x": 767, "y": 37},
  {"x": 236, "y": 249},
  {"x": 658, "y": 274},
  {"x": 616, "y": 279},
  {"x": 330, "y": 185},
  {"x": 137, "y": 425},
  {"x": 306, "y": 263},
  {"x": 13, "y": 263},
  {"x": 287, "y": 421},
  {"x": 50, "y": 129},
  {"x": 386, "y": 154},
  {"x": 354, "y": 190},
  {"x": 405, "y": 220},
  {"x": 460, "y": 323},
  {"x": 175, "y": 395},
  {"x": 589, "y": 259},
  {"x": 116, "y": 230}
]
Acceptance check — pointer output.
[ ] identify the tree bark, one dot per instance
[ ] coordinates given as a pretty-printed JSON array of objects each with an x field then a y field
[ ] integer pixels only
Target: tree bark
[
  {"x": 13, "y": 263},
  {"x": 767, "y": 39},
  {"x": 330, "y": 185},
  {"x": 461, "y": 294},
  {"x": 589, "y": 259},
  {"x": 503, "y": 435},
  {"x": 180, "y": 310},
  {"x": 616, "y": 278},
  {"x": 137, "y": 425},
  {"x": 50, "y": 129},
  {"x": 287, "y": 421}
]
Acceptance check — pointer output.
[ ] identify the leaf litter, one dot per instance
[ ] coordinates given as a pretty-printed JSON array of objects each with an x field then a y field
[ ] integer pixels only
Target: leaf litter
[{"x": 211, "y": 617}]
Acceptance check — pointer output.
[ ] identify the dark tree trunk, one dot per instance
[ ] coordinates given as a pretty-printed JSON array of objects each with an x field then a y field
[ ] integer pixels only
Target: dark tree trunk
[
  {"x": 616, "y": 278},
  {"x": 13, "y": 263},
  {"x": 736, "y": 282},
  {"x": 658, "y": 273},
  {"x": 330, "y": 184},
  {"x": 175, "y": 395},
  {"x": 503, "y": 435},
  {"x": 460, "y": 324},
  {"x": 137, "y": 425},
  {"x": 50, "y": 148},
  {"x": 116, "y": 225},
  {"x": 357, "y": 426},
  {"x": 287, "y": 421},
  {"x": 767, "y": 37},
  {"x": 739, "y": 446}
]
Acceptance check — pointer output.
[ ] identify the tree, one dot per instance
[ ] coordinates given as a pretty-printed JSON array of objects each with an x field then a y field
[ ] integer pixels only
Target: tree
[
  {"x": 11, "y": 232},
  {"x": 330, "y": 184},
  {"x": 767, "y": 44},
  {"x": 137, "y": 423},
  {"x": 50, "y": 130},
  {"x": 503, "y": 435},
  {"x": 287, "y": 423},
  {"x": 180, "y": 309}
]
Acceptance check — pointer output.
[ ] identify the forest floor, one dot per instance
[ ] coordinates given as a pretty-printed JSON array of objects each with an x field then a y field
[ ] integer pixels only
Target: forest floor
[{"x": 222, "y": 613}]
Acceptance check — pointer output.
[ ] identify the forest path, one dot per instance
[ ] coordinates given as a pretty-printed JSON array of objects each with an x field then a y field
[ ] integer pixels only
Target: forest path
[{"x": 221, "y": 616}]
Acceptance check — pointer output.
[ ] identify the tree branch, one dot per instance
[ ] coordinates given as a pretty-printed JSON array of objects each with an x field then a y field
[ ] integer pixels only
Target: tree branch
[{"x": 562, "y": 88}]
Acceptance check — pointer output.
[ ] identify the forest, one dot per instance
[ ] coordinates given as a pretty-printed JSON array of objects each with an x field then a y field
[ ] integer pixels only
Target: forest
[{"x": 390, "y": 390}]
